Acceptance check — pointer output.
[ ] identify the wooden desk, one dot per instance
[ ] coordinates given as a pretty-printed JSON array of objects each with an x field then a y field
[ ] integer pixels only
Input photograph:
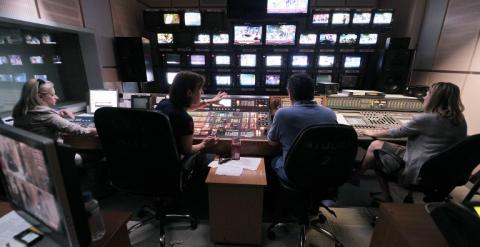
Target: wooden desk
[
  {"x": 116, "y": 234},
  {"x": 406, "y": 225},
  {"x": 235, "y": 206}
]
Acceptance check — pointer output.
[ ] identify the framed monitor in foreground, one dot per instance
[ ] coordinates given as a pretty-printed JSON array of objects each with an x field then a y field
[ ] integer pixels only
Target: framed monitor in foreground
[
  {"x": 102, "y": 98},
  {"x": 41, "y": 185}
]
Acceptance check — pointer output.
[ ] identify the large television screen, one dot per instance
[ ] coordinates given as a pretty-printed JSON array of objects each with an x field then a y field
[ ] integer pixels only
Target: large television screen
[
  {"x": 197, "y": 60},
  {"x": 361, "y": 18},
  {"x": 326, "y": 61},
  {"x": 382, "y": 18},
  {"x": 223, "y": 80},
  {"x": 280, "y": 35},
  {"x": 307, "y": 39},
  {"x": 248, "y": 60},
  {"x": 273, "y": 60},
  {"x": 320, "y": 18},
  {"x": 171, "y": 18},
  {"x": 247, "y": 35},
  {"x": 348, "y": 38},
  {"x": 193, "y": 19},
  {"x": 341, "y": 18},
  {"x": 287, "y": 6},
  {"x": 368, "y": 38},
  {"x": 328, "y": 39},
  {"x": 165, "y": 38},
  {"x": 220, "y": 38},
  {"x": 222, "y": 60},
  {"x": 247, "y": 79},
  {"x": 202, "y": 39},
  {"x": 352, "y": 62},
  {"x": 272, "y": 80},
  {"x": 299, "y": 61}
]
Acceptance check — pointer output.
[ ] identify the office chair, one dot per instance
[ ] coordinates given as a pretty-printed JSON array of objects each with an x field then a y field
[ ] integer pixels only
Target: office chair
[
  {"x": 319, "y": 161},
  {"x": 142, "y": 158},
  {"x": 443, "y": 172}
]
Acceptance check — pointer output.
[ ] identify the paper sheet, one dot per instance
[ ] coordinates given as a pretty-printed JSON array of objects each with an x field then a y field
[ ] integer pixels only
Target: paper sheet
[
  {"x": 10, "y": 225},
  {"x": 249, "y": 163},
  {"x": 341, "y": 119},
  {"x": 229, "y": 171}
]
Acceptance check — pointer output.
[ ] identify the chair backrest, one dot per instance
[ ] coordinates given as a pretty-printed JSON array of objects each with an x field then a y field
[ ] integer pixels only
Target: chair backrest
[
  {"x": 321, "y": 156},
  {"x": 453, "y": 166},
  {"x": 140, "y": 150}
]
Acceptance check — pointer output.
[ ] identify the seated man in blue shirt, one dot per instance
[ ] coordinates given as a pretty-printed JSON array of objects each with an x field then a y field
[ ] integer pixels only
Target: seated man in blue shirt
[{"x": 289, "y": 121}]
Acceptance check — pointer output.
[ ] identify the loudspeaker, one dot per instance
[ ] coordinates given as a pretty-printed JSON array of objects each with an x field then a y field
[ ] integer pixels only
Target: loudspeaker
[
  {"x": 130, "y": 59},
  {"x": 393, "y": 82},
  {"x": 395, "y": 70},
  {"x": 397, "y": 43}
]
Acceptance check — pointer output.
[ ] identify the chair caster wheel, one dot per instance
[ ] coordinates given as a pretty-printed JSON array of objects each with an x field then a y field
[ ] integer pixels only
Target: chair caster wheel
[
  {"x": 193, "y": 224},
  {"x": 271, "y": 235}
]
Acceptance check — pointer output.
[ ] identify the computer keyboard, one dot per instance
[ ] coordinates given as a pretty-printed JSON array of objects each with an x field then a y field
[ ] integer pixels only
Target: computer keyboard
[{"x": 85, "y": 120}]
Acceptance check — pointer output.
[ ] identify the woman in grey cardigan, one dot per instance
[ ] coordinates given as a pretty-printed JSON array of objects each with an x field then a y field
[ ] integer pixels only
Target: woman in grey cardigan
[
  {"x": 441, "y": 125},
  {"x": 33, "y": 112}
]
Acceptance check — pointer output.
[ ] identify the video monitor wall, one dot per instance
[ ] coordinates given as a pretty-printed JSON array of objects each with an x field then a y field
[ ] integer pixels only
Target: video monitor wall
[
  {"x": 247, "y": 35},
  {"x": 280, "y": 35}
]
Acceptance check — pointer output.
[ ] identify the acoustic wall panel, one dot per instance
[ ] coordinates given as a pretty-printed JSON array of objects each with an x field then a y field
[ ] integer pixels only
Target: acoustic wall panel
[
  {"x": 470, "y": 100},
  {"x": 475, "y": 65},
  {"x": 24, "y": 8},
  {"x": 63, "y": 11}
]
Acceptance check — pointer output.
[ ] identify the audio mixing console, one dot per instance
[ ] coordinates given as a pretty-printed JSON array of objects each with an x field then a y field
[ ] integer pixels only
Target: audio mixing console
[{"x": 369, "y": 120}]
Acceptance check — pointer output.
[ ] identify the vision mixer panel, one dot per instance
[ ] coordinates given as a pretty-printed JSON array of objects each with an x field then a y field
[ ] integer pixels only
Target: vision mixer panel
[
  {"x": 368, "y": 120},
  {"x": 389, "y": 103},
  {"x": 277, "y": 102}
]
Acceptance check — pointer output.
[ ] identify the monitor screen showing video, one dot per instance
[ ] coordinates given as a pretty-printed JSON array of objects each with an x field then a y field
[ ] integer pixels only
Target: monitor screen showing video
[
  {"x": 197, "y": 60},
  {"x": 307, "y": 39},
  {"x": 280, "y": 35},
  {"x": 220, "y": 38},
  {"x": 165, "y": 38},
  {"x": 361, "y": 18},
  {"x": 383, "y": 18},
  {"x": 6, "y": 77},
  {"x": 173, "y": 59},
  {"x": 341, "y": 18},
  {"x": 170, "y": 77},
  {"x": 171, "y": 18},
  {"x": 320, "y": 18},
  {"x": 247, "y": 79},
  {"x": 287, "y": 6},
  {"x": 4, "y": 60},
  {"x": 352, "y": 62},
  {"x": 368, "y": 38},
  {"x": 348, "y": 38},
  {"x": 36, "y": 59},
  {"x": 15, "y": 59},
  {"x": 193, "y": 19},
  {"x": 323, "y": 78},
  {"x": 327, "y": 39},
  {"x": 43, "y": 77},
  {"x": 48, "y": 39},
  {"x": 272, "y": 80},
  {"x": 248, "y": 60},
  {"x": 273, "y": 60},
  {"x": 222, "y": 60},
  {"x": 326, "y": 60},
  {"x": 299, "y": 61},
  {"x": 32, "y": 39},
  {"x": 223, "y": 80},
  {"x": 20, "y": 77},
  {"x": 202, "y": 38},
  {"x": 247, "y": 35}
]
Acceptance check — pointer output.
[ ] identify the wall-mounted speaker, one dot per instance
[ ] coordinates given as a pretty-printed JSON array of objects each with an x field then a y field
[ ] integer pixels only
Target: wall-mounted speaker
[{"x": 130, "y": 59}]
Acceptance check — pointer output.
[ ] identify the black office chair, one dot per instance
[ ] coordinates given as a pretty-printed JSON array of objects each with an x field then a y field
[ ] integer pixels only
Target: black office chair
[
  {"x": 319, "y": 161},
  {"x": 142, "y": 157},
  {"x": 443, "y": 172}
]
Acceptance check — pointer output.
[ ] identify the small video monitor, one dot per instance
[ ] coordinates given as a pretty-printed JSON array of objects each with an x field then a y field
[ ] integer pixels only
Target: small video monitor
[
  {"x": 287, "y": 6},
  {"x": 172, "y": 59},
  {"x": 247, "y": 79},
  {"x": 102, "y": 98},
  {"x": 222, "y": 60},
  {"x": 202, "y": 39},
  {"x": 352, "y": 62},
  {"x": 248, "y": 60},
  {"x": 368, "y": 38},
  {"x": 6, "y": 77},
  {"x": 56, "y": 59},
  {"x": 341, "y": 18},
  {"x": 197, "y": 60},
  {"x": 273, "y": 61},
  {"x": 272, "y": 80},
  {"x": 280, "y": 34},
  {"x": 326, "y": 61},
  {"x": 323, "y": 78},
  {"x": 361, "y": 18},
  {"x": 48, "y": 39},
  {"x": 165, "y": 38},
  {"x": 299, "y": 61},
  {"x": 348, "y": 38},
  {"x": 382, "y": 18},
  {"x": 321, "y": 18},
  {"x": 15, "y": 59},
  {"x": 36, "y": 59},
  {"x": 307, "y": 39},
  {"x": 32, "y": 39},
  {"x": 130, "y": 87},
  {"x": 43, "y": 77},
  {"x": 170, "y": 77},
  {"x": 171, "y": 18},
  {"x": 140, "y": 102},
  {"x": 247, "y": 35},
  {"x": 220, "y": 38},
  {"x": 327, "y": 39},
  {"x": 193, "y": 19},
  {"x": 223, "y": 80},
  {"x": 4, "y": 60},
  {"x": 20, "y": 77}
]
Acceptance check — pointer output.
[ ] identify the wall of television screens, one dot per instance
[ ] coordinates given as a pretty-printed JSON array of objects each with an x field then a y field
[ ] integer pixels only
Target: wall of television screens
[{"x": 258, "y": 55}]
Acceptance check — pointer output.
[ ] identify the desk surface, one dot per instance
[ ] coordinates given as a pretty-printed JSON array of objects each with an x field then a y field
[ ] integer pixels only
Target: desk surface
[{"x": 248, "y": 177}]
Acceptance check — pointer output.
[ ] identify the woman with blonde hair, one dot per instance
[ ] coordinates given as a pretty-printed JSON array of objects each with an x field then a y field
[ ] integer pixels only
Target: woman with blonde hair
[
  {"x": 34, "y": 112},
  {"x": 441, "y": 125}
]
